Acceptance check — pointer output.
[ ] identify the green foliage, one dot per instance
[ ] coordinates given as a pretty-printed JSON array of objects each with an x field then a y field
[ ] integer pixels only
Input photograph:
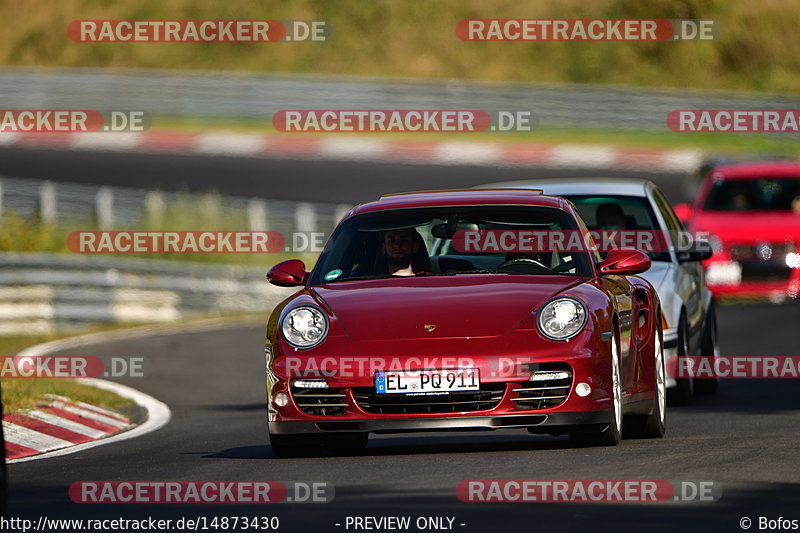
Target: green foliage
[{"x": 755, "y": 50}]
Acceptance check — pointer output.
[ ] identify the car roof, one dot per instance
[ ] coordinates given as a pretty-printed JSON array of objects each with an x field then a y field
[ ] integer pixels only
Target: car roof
[
  {"x": 491, "y": 196},
  {"x": 582, "y": 186},
  {"x": 773, "y": 169}
]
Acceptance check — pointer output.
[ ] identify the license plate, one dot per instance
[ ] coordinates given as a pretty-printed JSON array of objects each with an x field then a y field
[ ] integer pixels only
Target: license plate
[{"x": 427, "y": 381}]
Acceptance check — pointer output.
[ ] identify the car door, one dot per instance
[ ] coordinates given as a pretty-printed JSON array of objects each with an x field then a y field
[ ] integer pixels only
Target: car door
[
  {"x": 688, "y": 275},
  {"x": 620, "y": 291}
]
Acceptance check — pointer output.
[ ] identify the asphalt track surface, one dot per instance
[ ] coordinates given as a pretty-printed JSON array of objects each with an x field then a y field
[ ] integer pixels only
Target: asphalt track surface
[
  {"x": 276, "y": 179},
  {"x": 745, "y": 438}
]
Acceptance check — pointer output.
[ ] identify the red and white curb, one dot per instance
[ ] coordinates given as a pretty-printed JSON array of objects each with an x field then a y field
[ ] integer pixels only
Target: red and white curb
[
  {"x": 158, "y": 414},
  {"x": 56, "y": 424},
  {"x": 62, "y": 427},
  {"x": 372, "y": 149}
]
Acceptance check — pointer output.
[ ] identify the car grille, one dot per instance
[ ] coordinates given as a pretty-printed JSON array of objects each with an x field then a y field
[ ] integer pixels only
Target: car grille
[
  {"x": 320, "y": 402},
  {"x": 537, "y": 394},
  {"x": 762, "y": 252},
  {"x": 760, "y": 272},
  {"x": 487, "y": 397}
]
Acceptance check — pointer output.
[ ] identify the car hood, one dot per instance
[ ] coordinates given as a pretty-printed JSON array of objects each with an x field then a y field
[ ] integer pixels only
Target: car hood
[
  {"x": 749, "y": 227},
  {"x": 458, "y": 306}
]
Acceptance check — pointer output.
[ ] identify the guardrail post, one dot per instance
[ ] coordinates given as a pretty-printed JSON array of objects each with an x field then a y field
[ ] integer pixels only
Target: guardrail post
[
  {"x": 154, "y": 207},
  {"x": 104, "y": 207},
  {"x": 257, "y": 214},
  {"x": 305, "y": 217},
  {"x": 48, "y": 208}
]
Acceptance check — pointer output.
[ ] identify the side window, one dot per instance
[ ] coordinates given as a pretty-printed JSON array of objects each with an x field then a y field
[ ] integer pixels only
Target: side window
[{"x": 674, "y": 226}]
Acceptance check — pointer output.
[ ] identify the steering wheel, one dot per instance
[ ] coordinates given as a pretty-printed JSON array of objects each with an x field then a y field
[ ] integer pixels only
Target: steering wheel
[
  {"x": 523, "y": 262},
  {"x": 564, "y": 267}
]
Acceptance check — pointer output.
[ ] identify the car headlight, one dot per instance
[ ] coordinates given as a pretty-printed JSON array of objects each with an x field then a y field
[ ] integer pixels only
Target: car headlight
[
  {"x": 562, "y": 318},
  {"x": 304, "y": 327}
]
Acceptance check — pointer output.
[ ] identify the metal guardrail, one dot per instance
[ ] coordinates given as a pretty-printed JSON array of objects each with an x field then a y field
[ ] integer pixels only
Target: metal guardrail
[
  {"x": 127, "y": 207},
  {"x": 242, "y": 95},
  {"x": 43, "y": 293}
]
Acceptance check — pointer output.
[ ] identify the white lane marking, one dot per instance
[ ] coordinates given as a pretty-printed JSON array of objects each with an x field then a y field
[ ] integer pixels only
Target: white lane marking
[
  {"x": 227, "y": 143},
  {"x": 570, "y": 155},
  {"x": 467, "y": 153},
  {"x": 106, "y": 412},
  {"x": 32, "y": 439},
  {"x": 7, "y": 138},
  {"x": 85, "y": 413},
  {"x": 63, "y": 423},
  {"x": 158, "y": 415},
  {"x": 352, "y": 149},
  {"x": 106, "y": 140},
  {"x": 682, "y": 160}
]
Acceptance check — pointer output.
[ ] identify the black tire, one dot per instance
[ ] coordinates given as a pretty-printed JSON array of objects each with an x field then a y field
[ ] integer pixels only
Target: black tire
[
  {"x": 612, "y": 435},
  {"x": 709, "y": 348},
  {"x": 653, "y": 425},
  {"x": 683, "y": 392},
  {"x": 288, "y": 446}
]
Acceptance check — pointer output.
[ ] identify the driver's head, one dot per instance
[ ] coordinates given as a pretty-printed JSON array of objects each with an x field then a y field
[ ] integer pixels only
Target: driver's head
[
  {"x": 526, "y": 250},
  {"x": 399, "y": 246},
  {"x": 610, "y": 217},
  {"x": 796, "y": 205}
]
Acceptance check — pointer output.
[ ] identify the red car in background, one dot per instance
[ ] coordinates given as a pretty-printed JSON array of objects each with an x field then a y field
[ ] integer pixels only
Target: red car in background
[
  {"x": 384, "y": 337},
  {"x": 752, "y": 213}
]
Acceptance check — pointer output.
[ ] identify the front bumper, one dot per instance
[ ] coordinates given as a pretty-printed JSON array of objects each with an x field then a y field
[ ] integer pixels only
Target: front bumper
[{"x": 548, "y": 423}]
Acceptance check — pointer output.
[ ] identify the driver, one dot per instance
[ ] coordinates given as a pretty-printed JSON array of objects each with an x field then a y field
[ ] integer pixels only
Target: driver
[
  {"x": 400, "y": 247},
  {"x": 519, "y": 256}
]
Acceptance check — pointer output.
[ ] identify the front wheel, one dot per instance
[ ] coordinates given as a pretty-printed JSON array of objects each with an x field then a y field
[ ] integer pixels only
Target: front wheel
[
  {"x": 653, "y": 426},
  {"x": 709, "y": 348},
  {"x": 612, "y": 435},
  {"x": 683, "y": 391}
]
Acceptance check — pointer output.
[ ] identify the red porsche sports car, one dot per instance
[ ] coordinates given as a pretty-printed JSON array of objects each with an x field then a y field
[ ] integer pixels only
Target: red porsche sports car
[
  {"x": 385, "y": 338},
  {"x": 752, "y": 212}
]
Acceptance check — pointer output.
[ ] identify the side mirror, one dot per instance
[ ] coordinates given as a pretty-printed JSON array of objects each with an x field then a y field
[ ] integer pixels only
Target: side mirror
[
  {"x": 623, "y": 261},
  {"x": 289, "y": 273},
  {"x": 684, "y": 212},
  {"x": 699, "y": 251}
]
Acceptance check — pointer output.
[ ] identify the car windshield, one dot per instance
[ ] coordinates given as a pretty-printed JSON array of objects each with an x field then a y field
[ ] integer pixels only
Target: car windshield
[
  {"x": 634, "y": 213},
  {"x": 757, "y": 194},
  {"x": 433, "y": 241}
]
